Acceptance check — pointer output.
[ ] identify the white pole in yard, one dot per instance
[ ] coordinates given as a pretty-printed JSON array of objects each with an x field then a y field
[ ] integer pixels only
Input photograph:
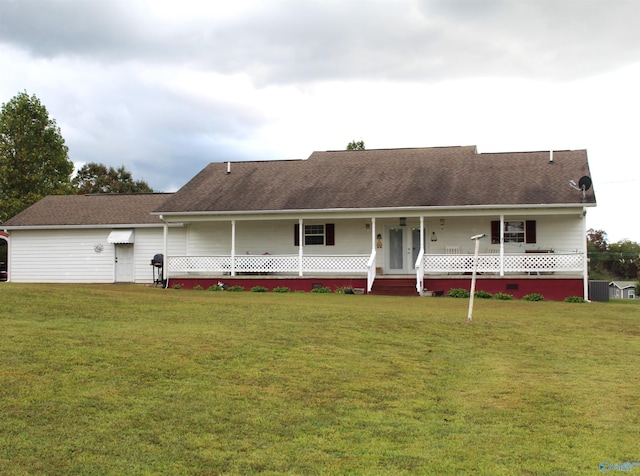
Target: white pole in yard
[{"x": 473, "y": 274}]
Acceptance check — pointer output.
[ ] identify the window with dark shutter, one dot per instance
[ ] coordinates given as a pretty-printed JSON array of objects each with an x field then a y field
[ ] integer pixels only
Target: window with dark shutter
[
  {"x": 315, "y": 234},
  {"x": 514, "y": 231}
]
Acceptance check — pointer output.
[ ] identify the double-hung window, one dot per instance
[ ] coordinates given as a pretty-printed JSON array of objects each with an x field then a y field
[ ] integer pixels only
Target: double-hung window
[
  {"x": 313, "y": 235},
  {"x": 515, "y": 231}
]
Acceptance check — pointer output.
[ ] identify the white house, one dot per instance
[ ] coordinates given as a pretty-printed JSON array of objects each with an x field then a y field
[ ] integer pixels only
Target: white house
[{"x": 397, "y": 220}]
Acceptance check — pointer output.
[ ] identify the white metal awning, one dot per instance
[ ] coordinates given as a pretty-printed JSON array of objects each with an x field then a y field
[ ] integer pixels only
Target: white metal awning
[{"x": 120, "y": 236}]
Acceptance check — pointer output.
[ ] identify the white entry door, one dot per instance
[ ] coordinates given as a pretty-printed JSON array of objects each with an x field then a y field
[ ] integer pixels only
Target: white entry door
[
  {"x": 403, "y": 248},
  {"x": 124, "y": 263}
]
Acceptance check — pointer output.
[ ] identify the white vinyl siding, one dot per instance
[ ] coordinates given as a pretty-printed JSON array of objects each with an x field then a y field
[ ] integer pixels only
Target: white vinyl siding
[
  {"x": 69, "y": 256},
  {"x": 561, "y": 233},
  {"x": 273, "y": 237},
  {"x": 61, "y": 256},
  {"x": 149, "y": 242}
]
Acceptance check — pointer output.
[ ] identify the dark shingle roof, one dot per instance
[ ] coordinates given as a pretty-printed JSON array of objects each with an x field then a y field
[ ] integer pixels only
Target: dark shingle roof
[
  {"x": 443, "y": 177},
  {"x": 98, "y": 209}
]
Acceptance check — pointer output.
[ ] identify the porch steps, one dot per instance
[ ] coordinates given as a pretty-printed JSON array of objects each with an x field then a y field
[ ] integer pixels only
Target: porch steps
[{"x": 394, "y": 287}]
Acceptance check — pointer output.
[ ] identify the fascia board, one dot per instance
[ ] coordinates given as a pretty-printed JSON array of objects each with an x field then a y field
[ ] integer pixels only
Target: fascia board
[
  {"x": 475, "y": 210},
  {"x": 84, "y": 227}
]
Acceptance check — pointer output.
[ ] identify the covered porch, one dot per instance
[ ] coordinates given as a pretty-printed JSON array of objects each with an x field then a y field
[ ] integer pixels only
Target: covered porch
[{"x": 372, "y": 248}]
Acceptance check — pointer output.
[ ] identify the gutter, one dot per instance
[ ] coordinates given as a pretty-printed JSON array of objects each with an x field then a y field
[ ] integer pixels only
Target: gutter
[
  {"x": 390, "y": 211},
  {"x": 84, "y": 227}
]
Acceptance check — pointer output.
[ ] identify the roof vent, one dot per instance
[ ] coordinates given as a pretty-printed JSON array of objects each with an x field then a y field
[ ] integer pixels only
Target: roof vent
[
  {"x": 228, "y": 167},
  {"x": 551, "y": 156}
]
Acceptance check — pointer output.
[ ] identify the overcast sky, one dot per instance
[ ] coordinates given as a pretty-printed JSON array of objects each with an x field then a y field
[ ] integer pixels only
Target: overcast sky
[{"x": 165, "y": 87}]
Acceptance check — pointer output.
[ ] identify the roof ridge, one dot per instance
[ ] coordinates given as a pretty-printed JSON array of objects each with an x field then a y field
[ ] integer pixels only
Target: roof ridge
[
  {"x": 532, "y": 151},
  {"x": 115, "y": 194},
  {"x": 404, "y": 148}
]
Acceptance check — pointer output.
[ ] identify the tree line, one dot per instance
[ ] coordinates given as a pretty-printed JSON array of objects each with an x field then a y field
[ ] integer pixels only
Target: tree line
[
  {"x": 34, "y": 161},
  {"x": 619, "y": 260}
]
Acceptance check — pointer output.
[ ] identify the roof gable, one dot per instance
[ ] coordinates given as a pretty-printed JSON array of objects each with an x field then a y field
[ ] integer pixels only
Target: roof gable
[
  {"x": 623, "y": 284},
  {"x": 386, "y": 178}
]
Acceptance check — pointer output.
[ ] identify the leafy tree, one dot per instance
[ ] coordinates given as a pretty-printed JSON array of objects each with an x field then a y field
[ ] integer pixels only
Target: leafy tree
[
  {"x": 619, "y": 260},
  {"x": 34, "y": 159},
  {"x": 355, "y": 145},
  {"x": 97, "y": 178},
  {"x": 597, "y": 240},
  {"x": 624, "y": 257},
  {"x": 598, "y": 253}
]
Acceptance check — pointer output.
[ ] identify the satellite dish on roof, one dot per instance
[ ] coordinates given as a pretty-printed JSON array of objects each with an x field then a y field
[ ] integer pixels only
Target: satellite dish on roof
[{"x": 584, "y": 183}]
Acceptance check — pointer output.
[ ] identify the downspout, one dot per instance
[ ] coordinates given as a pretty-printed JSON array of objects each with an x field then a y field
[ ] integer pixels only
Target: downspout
[
  {"x": 585, "y": 259},
  {"x": 301, "y": 243}
]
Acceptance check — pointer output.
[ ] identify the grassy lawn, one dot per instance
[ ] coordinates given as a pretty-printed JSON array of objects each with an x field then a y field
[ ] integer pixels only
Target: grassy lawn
[{"x": 135, "y": 380}]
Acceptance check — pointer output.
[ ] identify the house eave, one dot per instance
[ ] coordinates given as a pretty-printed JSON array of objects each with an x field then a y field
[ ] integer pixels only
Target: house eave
[
  {"x": 82, "y": 227},
  {"x": 490, "y": 210}
]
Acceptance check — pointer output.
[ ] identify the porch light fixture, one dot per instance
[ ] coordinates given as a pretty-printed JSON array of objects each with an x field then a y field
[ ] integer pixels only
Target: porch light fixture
[
  {"x": 403, "y": 221},
  {"x": 442, "y": 223},
  {"x": 433, "y": 236}
]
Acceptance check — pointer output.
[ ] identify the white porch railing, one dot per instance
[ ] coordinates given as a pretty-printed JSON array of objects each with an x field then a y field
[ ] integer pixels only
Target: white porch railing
[
  {"x": 512, "y": 263},
  {"x": 287, "y": 264},
  {"x": 366, "y": 264}
]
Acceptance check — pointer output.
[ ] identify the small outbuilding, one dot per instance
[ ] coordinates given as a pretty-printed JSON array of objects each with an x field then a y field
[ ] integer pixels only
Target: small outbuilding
[{"x": 622, "y": 289}]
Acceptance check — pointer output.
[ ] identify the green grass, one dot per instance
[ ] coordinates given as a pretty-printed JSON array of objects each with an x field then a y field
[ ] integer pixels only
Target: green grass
[{"x": 136, "y": 380}]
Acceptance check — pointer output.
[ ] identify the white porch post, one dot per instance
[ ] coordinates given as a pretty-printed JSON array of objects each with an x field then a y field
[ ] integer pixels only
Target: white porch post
[
  {"x": 233, "y": 247},
  {"x": 301, "y": 243},
  {"x": 501, "y": 245},
  {"x": 165, "y": 239},
  {"x": 422, "y": 250},
  {"x": 373, "y": 235},
  {"x": 420, "y": 267}
]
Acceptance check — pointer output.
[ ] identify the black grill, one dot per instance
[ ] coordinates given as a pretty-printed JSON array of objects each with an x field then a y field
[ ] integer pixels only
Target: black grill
[{"x": 157, "y": 262}]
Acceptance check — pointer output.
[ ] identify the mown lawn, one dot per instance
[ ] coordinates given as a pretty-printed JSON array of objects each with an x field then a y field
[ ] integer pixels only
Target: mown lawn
[{"x": 136, "y": 380}]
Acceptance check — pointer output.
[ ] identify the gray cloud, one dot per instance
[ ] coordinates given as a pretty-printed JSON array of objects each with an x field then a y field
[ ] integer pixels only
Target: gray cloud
[
  {"x": 160, "y": 134},
  {"x": 68, "y": 27},
  {"x": 295, "y": 42}
]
